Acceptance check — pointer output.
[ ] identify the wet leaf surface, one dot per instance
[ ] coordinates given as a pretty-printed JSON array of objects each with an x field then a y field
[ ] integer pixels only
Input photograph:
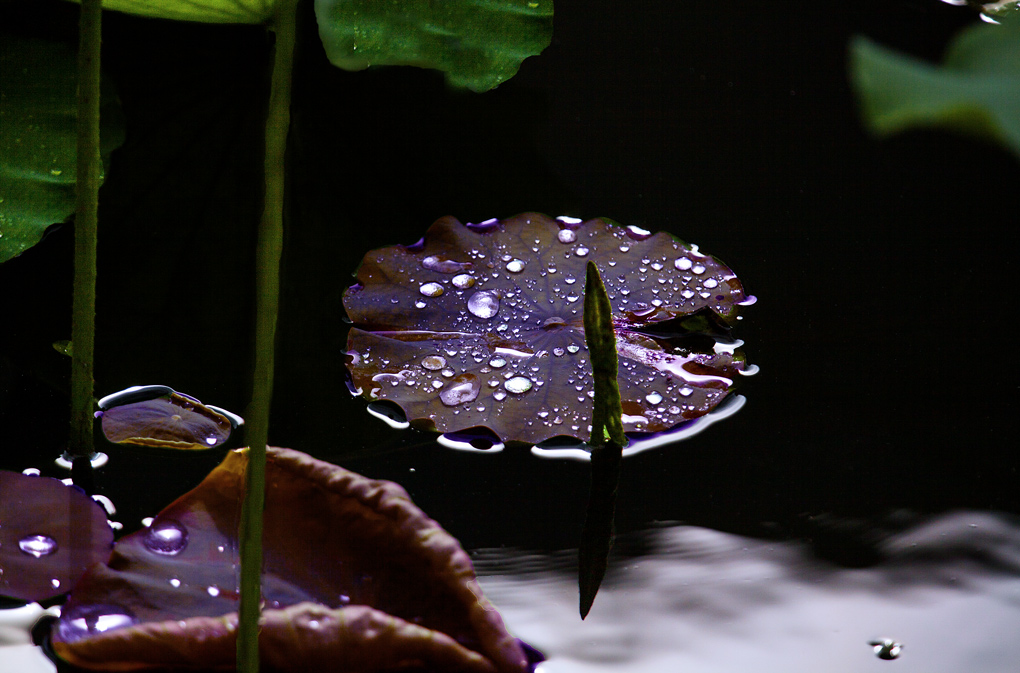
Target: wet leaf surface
[
  {"x": 483, "y": 325},
  {"x": 49, "y": 534},
  {"x": 355, "y": 578}
]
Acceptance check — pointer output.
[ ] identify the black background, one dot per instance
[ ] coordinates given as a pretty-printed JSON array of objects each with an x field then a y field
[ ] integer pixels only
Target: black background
[{"x": 884, "y": 269}]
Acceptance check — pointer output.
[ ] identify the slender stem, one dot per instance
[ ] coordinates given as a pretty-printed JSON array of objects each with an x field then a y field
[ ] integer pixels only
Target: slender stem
[
  {"x": 83, "y": 316},
  {"x": 267, "y": 259}
]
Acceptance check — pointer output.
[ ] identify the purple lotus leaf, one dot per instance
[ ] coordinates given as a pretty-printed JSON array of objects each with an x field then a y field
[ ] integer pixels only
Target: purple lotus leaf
[
  {"x": 355, "y": 575},
  {"x": 483, "y": 326},
  {"x": 49, "y": 534}
]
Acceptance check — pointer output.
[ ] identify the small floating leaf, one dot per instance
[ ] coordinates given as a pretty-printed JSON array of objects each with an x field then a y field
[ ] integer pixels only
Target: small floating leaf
[
  {"x": 518, "y": 327},
  {"x": 976, "y": 90},
  {"x": 158, "y": 416},
  {"x": 356, "y": 578},
  {"x": 49, "y": 534}
]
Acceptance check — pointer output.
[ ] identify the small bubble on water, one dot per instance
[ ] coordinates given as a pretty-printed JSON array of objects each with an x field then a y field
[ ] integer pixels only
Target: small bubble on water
[
  {"x": 886, "y": 648},
  {"x": 37, "y": 545}
]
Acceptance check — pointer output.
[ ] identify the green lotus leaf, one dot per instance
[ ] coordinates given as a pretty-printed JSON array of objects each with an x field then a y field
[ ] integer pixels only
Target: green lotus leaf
[
  {"x": 976, "y": 90},
  {"x": 38, "y": 113},
  {"x": 478, "y": 43},
  {"x": 206, "y": 11}
]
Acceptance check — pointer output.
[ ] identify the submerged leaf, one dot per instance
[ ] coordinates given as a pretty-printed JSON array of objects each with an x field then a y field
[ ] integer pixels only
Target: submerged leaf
[
  {"x": 478, "y": 43},
  {"x": 49, "y": 534},
  {"x": 38, "y": 113},
  {"x": 976, "y": 90},
  {"x": 483, "y": 325},
  {"x": 355, "y": 575}
]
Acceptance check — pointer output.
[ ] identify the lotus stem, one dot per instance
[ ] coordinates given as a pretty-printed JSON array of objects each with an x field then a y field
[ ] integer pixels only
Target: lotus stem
[
  {"x": 89, "y": 167},
  {"x": 267, "y": 271}
]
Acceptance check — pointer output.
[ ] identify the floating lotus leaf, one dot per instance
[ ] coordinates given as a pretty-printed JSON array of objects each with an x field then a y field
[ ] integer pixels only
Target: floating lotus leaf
[
  {"x": 159, "y": 416},
  {"x": 355, "y": 575},
  {"x": 483, "y": 325},
  {"x": 49, "y": 534}
]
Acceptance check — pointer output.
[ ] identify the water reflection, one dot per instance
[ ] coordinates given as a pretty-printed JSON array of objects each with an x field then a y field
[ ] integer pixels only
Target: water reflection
[{"x": 712, "y": 602}]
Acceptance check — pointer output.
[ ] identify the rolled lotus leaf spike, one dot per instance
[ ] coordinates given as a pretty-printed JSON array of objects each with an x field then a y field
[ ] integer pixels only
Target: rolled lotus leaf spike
[
  {"x": 356, "y": 578},
  {"x": 49, "y": 534}
]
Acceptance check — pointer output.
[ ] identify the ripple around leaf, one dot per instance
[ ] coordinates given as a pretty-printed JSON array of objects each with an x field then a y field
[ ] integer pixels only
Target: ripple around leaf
[
  {"x": 356, "y": 578},
  {"x": 532, "y": 321}
]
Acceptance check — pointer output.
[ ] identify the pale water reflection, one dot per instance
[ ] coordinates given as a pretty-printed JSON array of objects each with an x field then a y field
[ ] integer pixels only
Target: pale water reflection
[
  {"x": 709, "y": 602},
  {"x": 700, "y": 600}
]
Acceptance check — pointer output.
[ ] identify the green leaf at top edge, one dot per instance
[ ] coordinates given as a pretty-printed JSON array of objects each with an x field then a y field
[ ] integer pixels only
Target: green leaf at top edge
[
  {"x": 205, "y": 11},
  {"x": 38, "y": 113},
  {"x": 478, "y": 43},
  {"x": 976, "y": 90}
]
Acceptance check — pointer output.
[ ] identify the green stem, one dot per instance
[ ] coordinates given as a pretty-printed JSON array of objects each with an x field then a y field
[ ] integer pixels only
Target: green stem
[
  {"x": 83, "y": 316},
  {"x": 267, "y": 260}
]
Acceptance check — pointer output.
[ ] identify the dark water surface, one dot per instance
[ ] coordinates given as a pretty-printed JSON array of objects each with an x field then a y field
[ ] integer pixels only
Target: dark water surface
[{"x": 883, "y": 271}]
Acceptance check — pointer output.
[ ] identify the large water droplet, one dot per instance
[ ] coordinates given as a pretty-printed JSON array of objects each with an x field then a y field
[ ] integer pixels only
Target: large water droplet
[
  {"x": 581, "y": 251},
  {"x": 462, "y": 389},
  {"x": 431, "y": 289},
  {"x": 653, "y": 398},
  {"x": 436, "y": 263},
  {"x": 518, "y": 385},
  {"x": 483, "y": 304},
  {"x": 166, "y": 537},
  {"x": 497, "y": 362},
  {"x": 463, "y": 281},
  {"x": 711, "y": 283},
  {"x": 37, "y": 545},
  {"x": 83, "y": 621},
  {"x": 515, "y": 266},
  {"x": 682, "y": 263},
  {"x": 573, "y": 348},
  {"x": 566, "y": 236},
  {"x": 698, "y": 269},
  {"x": 433, "y": 362}
]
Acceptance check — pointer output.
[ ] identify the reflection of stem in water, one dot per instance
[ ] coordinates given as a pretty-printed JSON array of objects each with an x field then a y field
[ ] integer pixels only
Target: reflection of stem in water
[
  {"x": 267, "y": 260},
  {"x": 597, "y": 534},
  {"x": 83, "y": 311},
  {"x": 607, "y": 440}
]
